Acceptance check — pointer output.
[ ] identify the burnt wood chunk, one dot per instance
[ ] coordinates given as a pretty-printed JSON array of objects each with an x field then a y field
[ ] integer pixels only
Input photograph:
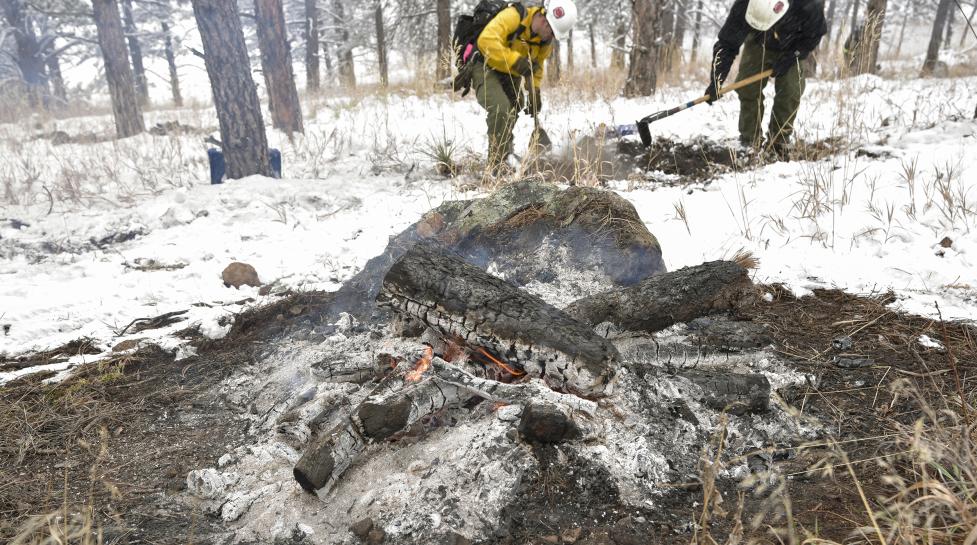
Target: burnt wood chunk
[
  {"x": 466, "y": 304},
  {"x": 547, "y": 423},
  {"x": 660, "y": 301},
  {"x": 735, "y": 393}
]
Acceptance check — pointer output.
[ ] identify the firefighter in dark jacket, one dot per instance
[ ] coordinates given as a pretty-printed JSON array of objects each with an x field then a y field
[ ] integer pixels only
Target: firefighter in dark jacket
[{"x": 777, "y": 35}]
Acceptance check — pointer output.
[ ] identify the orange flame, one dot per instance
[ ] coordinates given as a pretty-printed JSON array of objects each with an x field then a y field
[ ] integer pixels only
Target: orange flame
[
  {"x": 506, "y": 368},
  {"x": 422, "y": 365}
]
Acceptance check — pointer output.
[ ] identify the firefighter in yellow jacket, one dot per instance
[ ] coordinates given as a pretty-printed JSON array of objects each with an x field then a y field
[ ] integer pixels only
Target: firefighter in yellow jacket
[{"x": 514, "y": 47}]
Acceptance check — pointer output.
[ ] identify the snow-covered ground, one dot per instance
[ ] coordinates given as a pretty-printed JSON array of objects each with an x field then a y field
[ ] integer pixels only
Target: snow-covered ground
[{"x": 81, "y": 222}]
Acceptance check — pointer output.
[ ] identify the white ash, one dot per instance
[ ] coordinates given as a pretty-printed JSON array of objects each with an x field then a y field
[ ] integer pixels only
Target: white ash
[{"x": 454, "y": 473}]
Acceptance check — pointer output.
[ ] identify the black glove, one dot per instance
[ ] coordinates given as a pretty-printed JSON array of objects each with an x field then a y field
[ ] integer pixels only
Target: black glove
[
  {"x": 534, "y": 103},
  {"x": 721, "y": 63},
  {"x": 523, "y": 67},
  {"x": 785, "y": 63}
]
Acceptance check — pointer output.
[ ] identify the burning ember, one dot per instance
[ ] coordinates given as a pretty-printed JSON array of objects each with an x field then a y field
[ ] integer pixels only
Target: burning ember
[
  {"x": 503, "y": 366},
  {"x": 422, "y": 365}
]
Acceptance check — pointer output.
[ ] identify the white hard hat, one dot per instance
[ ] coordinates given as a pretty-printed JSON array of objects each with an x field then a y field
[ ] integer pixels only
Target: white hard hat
[
  {"x": 561, "y": 15},
  {"x": 763, "y": 14}
]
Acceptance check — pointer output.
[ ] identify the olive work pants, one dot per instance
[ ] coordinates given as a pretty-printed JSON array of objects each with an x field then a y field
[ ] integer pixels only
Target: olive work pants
[
  {"x": 787, "y": 98},
  {"x": 501, "y": 96}
]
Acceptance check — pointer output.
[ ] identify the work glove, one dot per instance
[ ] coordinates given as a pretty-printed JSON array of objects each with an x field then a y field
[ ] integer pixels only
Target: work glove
[
  {"x": 535, "y": 103},
  {"x": 717, "y": 75},
  {"x": 785, "y": 63},
  {"x": 523, "y": 67}
]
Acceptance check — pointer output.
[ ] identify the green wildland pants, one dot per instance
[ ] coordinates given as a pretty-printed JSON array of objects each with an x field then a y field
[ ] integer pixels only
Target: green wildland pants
[
  {"x": 501, "y": 96},
  {"x": 787, "y": 98}
]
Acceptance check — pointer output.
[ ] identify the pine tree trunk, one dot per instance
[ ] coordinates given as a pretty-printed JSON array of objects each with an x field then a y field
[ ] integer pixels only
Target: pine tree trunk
[
  {"x": 327, "y": 58},
  {"x": 135, "y": 51},
  {"x": 949, "y": 26},
  {"x": 171, "y": 64},
  {"x": 620, "y": 40},
  {"x": 381, "y": 45},
  {"x": 867, "y": 52},
  {"x": 666, "y": 36},
  {"x": 111, "y": 40},
  {"x": 902, "y": 33},
  {"x": 310, "y": 34},
  {"x": 55, "y": 77},
  {"x": 570, "y": 53},
  {"x": 444, "y": 39},
  {"x": 645, "y": 53},
  {"x": 830, "y": 18},
  {"x": 854, "y": 14},
  {"x": 347, "y": 71},
  {"x": 593, "y": 47},
  {"x": 276, "y": 64},
  {"x": 681, "y": 23},
  {"x": 29, "y": 58},
  {"x": 966, "y": 26},
  {"x": 936, "y": 37},
  {"x": 553, "y": 68},
  {"x": 242, "y": 130},
  {"x": 696, "y": 28}
]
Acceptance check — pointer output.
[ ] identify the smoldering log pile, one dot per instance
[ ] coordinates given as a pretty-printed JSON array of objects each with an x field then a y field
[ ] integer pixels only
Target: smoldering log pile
[{"x": 511, "y": 347}]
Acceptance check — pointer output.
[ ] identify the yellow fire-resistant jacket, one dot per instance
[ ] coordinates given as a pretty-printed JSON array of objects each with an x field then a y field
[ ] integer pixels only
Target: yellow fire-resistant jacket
[{"x": 502, "y": 55}]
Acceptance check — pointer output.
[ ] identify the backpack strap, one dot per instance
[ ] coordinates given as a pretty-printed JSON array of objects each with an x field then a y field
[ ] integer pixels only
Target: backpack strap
[{"x": 522, "y": 15}]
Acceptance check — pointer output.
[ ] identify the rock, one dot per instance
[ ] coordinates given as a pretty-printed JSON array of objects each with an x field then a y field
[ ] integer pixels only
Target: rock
[
  {"x": 205, "y": 483},
  {"x": 239, "y": 274},
  {"x": 571, "y": 535},
  {"x": 127, "y": 344},
  {"x": 841, "y": 343},
  {"x": 854, "y": 362},
  {"x": 362, "y": 527},
  {"x": 551, "y": 539},
  {"x": 946, "y": 242},
  {"x": 376, "y": 536}
]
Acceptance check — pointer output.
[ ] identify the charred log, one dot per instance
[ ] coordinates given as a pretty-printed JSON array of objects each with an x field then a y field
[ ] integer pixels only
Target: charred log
[
  {"x": 734, "y": 393},
  {"x": 479, "y": 310},
  {"x": 397, "y": 403},
  {"x": 661, "y": 301}
]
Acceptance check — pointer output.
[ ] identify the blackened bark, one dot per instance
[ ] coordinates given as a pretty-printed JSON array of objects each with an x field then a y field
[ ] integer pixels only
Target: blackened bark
[
  {"x": 125, "y": 102},
  {"x": 381, "y": 44},
  {"x": 444, "y": 39},
  {"x": 135, "y": 51},
  {"x": 936, "y": 37},
  {"x": 171, "y": 64},
  {"x": 310, "y": 33},
  {"x": 643, "y": 70},
  {"x": 660, "y": 301},
  {"x": 276, "y": 65},
  {"x": 466, "y": 303},
  {"x": 867, "y": 52},
  {"x": 29, "y": 57},
  {"x": 235, "y": 96},
  {"x": 347, "y": 71}
]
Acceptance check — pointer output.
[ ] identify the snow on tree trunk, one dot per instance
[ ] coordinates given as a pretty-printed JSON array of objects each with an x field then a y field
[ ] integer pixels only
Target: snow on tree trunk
[
  {"x": 867, "y": 51},
  {"x": 242, "y": 130},
  {"x": 171, "y": 64},
  {"x": 135, "y": 51},
  {"x": 444, "y": 39},
  {"x": 310, "y": 34},
  {"x": 276, "y": 65},
  {"x": 347, "y": 71},
  {"x": 936, "y": 37},
  {"x": 125, "y": 102},
  {"x": 643, "y": 71},
  {"x": 381, "y": 44}
]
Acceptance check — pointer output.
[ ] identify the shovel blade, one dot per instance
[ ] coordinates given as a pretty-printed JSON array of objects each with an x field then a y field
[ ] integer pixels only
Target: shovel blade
[{"x": 644, "y": 132}]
